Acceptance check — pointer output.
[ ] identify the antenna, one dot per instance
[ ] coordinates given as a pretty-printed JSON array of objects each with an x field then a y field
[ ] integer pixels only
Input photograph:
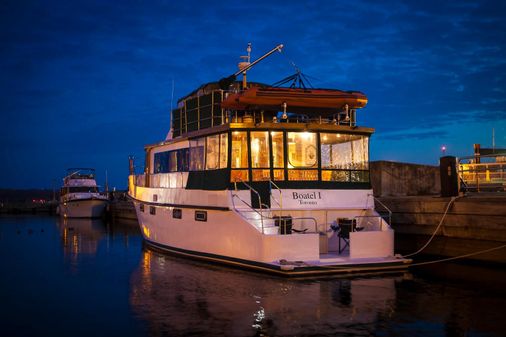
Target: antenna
[
  {"x": 244, "y": 65},
  {"x": 227, "y": 81},
  {"x": 493, "y": 139}
]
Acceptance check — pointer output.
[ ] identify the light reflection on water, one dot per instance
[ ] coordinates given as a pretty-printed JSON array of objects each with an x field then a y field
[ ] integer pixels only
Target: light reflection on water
[
  {"x": 190, "y": 298},
  {"x": 94, "y": 278},
  {"x": 183, "y": 297}
]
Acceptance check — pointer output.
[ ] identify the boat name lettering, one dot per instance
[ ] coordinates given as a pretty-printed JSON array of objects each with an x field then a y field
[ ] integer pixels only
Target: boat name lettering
[{"x": 307, "y": 198}]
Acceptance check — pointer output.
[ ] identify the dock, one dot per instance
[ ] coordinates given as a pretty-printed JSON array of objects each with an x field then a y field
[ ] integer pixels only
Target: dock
[
  {"x": 469, "y": 223},
  {"x": 472, "y": 224}
]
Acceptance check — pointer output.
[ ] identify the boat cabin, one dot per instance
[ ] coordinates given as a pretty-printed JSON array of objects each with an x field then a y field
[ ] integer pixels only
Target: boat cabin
[{"x": 214, "y": 147}]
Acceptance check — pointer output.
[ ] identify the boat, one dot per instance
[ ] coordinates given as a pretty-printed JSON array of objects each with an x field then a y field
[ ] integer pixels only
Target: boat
[
  {"x": 272, "y": 185},
  {"x": 299, "y": 99},
  {"x": 80, "y": 197}
]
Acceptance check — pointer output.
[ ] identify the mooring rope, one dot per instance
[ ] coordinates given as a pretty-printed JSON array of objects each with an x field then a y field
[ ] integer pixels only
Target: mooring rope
[
  {"x": 452, "y": 200},
  {"x": 459, "y": 257}
]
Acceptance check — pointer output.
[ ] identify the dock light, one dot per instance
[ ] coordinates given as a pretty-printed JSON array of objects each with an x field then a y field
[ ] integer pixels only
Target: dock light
[{"x": 443, "y": 149}]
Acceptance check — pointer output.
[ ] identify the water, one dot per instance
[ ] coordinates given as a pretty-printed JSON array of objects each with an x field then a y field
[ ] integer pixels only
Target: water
[{"x": 89, "y": 278}]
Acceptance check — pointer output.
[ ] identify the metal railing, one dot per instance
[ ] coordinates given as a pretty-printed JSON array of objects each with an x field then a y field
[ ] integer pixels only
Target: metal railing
[
  {"x": 477, "y": 175},
  {"x": 366, "y": 217},
  {"x": 234, "y": 195},
  {"x": 280, "y": 202},
  {"x": 263, "y": 206},
  {"x": 309, "y": 218},
  {"x": 385, "y": 207}
]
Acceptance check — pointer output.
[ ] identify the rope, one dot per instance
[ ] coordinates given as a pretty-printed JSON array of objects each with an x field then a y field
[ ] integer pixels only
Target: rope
[
  {"x": 459, "y": 257},
  {"x": 435, "y": 231}
]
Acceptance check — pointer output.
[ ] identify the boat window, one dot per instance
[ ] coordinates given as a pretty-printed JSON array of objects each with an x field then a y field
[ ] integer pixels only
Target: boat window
[
  {"x": 239, "y": 175},
  {"x": 213, "y": 152},
  {"x": 260, "y": 155},
  {"x": 172, "y": 161},
  {"x": 82, "y": 189},
  {"x": 239, "y": 149},
  {"x": 161, "y": 164},
  {"x": 182, "y": 160},
  {"x": 197, "y": 154},
  {"x": 239, "y": 160},
  {"x": 201, "y": 215},
  {"x": 302, "y": 150},
  {"x": 259, "y": 149},
  {"x": 302, "y": 175},
  {"x": 278, "y": 155},
  {"x": 177, "y": 213},
  {"x": 342, "y": 151},
  {"x": 223, "y": 150}
]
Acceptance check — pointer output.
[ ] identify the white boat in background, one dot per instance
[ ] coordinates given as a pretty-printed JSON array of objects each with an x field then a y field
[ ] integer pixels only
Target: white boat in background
[
  {"x": 246, "y": 179},
  {"x": 80, "y": 197}
]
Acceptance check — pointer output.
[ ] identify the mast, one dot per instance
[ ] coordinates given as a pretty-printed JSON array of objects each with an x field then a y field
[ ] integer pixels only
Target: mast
[{"x": 245, "y": 66}]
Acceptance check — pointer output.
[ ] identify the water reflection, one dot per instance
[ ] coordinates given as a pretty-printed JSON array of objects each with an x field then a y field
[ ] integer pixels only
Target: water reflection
[
  {"x": 180, "y": 297},
  {"x": 81, "y": 236}
]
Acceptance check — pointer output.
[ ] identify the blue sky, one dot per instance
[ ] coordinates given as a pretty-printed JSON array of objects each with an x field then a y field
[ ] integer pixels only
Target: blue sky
[{"x": 87, "y": 83}]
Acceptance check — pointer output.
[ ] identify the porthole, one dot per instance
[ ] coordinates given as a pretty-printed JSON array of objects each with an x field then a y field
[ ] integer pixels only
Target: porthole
[
  {"x": 200, "y": 216},
  {"x": 177, "y": 213}
]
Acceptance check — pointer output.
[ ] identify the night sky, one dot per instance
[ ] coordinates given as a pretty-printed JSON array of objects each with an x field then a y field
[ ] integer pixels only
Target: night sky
[{"x": 87, "y": 83}]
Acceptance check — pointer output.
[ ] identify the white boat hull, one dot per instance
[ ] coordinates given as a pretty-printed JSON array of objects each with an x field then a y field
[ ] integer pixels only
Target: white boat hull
[
  {"x": 85, "y": 208},
  {"x": 227, "y": 236}
]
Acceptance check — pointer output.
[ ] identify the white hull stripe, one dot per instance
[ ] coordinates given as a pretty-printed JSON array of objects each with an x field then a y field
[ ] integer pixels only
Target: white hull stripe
[{"x": 159, "y": 204}]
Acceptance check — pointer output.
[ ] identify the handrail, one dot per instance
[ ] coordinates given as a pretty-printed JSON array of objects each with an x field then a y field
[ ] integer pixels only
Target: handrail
[
  {"x": 372, "y": 216},
  {"x": 246, "y": 203},
  {"x": 309, "y": 218},
  {"x": 280, "y": 203},
  {"x": 251, "y": 206},
  {"x": 385, "y": 207}
]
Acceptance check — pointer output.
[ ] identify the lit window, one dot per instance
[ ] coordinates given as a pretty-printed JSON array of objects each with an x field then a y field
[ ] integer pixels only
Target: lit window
[
  {"x": 302, "y": 150},
  {"x": 213, "y": 152},
  {"x": 239, "y": 149},
  {"x": 342, "y": 151},
  {"x": 197, "y": 154},
  {"x": 223, "y": 150}
]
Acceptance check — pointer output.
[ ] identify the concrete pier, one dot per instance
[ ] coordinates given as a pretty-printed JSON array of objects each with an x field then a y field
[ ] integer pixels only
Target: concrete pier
[{"x": 473, "y": 223}]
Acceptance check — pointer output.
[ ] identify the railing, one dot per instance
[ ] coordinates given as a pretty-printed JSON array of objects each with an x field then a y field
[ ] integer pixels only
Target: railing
[
  {"x": 366, "y": 217},
  {"x": 300, "y": 118},
  {"x": 482, "y": 176},
  {"x": 280, "y": 202},
  {"x": 385, "y": 207},
  {"x": 247, "y": 204},
  {"x": 309, "y": 218}
]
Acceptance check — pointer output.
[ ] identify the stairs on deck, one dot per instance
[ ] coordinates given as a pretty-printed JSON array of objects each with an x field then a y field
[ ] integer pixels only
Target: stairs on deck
[{"x": 254, "y": 218}]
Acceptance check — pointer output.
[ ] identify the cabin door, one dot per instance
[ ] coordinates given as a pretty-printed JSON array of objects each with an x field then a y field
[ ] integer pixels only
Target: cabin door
[{"x": 264, "y": 189}]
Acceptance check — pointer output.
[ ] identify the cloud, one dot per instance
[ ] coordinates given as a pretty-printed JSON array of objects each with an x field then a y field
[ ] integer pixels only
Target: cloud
[{"x": 106, "y": 68}]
